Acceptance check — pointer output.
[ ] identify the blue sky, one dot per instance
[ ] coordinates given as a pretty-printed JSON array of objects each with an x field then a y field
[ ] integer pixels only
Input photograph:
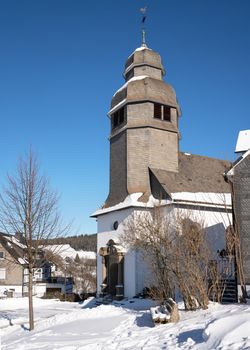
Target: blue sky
[{"x": 62, "y": 60}]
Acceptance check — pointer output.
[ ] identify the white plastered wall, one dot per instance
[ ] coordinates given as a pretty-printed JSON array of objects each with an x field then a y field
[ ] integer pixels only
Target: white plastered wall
[
  {"x": 215, "y": 223},
  {"x": 136, "y": 272},
  {"x": 107, "y": 232}
]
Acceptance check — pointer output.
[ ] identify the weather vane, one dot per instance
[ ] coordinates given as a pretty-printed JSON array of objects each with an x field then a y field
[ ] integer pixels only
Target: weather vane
[{"x": 143, "y": 11}]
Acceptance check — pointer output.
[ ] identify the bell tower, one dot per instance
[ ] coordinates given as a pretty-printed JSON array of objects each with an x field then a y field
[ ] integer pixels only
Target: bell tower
[{"x": 144, "y": 127}]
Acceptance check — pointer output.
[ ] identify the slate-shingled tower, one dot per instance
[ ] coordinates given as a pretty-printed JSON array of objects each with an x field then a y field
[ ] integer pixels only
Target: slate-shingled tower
[
  {"x": 144, "y": 127},
  {"x": 145, "y": 160}
]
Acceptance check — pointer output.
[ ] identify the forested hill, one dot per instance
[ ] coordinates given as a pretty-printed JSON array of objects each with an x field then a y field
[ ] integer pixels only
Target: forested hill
[{"x": 81, "y": 242}]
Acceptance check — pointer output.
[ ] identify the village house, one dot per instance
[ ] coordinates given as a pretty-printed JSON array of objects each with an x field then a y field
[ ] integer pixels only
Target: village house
[
  {"x": 12, "y": 266},
  {"x": 59, "y": 268},
  {"x": 147, "y": 168},
  {"x": 14, "y": 275}
]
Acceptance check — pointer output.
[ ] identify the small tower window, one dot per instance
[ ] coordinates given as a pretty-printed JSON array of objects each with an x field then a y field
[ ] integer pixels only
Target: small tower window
[
  {"x": 157, "y": 111},
  {"x": 118, "y": 118},
  {"x": 129, "y": 61},
  {"x": 167, "y": 113},
  {"x": 162, "y": 112},
  {"x": 115, "y": 119},
  {"x": 121, "y": 115}
]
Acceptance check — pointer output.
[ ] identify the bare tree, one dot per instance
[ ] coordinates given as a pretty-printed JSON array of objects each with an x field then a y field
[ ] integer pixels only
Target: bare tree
[
  {"x": 84, "y": 275},
  {"x": 177, "y": 252},
  {"x": 81, "y": 270},
  {"x": 28, "y": 206},
  {"x": 192, "y": 254},
  {"x": 152, "y": 234}
]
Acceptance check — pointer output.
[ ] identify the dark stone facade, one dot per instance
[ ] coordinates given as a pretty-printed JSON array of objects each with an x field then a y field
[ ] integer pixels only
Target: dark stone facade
[
  {"x": 118, "y": 170},
  {"x": 241, "y": 181}
]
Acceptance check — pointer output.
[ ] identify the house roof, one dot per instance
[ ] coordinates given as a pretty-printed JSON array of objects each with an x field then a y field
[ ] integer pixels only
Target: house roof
[
  {"x": 195, "y": 174},
  {"x": 13, "y": 247}
]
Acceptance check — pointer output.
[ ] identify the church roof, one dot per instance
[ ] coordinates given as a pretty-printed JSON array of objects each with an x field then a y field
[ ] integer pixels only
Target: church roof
[
  {"x": 143, "y": 56},
  {"x": 144, "y": 88},
  {"x": 196, "y": 174},
  {"x": 144, "y": 82}
]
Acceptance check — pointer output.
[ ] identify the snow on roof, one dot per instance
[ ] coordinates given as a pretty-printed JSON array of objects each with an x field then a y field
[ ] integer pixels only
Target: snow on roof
[
  {"x": 117, "y": 106},
  {"x": 199, "y": 198},
  {"x": 243, "y": 141},
  {"x": 139, "y": 77},
  {"x": 131, "y": 201},
  {"x": 66, "y": 251},
  {"x": 142, "y": 48},
  {"x": 238, "y": 161},
  {"x": 15, "y": 241},
  {"x": 139, "y": 49},
  {"x": 203, "y": 198},
  {"x": 22, "y": 261}
]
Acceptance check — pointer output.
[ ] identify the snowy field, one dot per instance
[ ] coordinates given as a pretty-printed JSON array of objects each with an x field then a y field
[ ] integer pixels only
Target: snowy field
[{"x": 125, "y": 325}]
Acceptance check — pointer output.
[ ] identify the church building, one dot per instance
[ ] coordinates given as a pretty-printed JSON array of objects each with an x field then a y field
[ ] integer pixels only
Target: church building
[{"x": 147, "y": 167}]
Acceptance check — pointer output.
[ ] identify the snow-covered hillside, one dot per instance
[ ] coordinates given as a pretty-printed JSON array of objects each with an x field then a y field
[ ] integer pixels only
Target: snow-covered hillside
[
  {"x": 66, "y": 251},
  {"x": 123, "y": 325}
]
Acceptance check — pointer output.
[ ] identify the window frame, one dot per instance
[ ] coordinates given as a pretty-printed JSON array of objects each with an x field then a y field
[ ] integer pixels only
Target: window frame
[
  {"x": 3, "y": 270},
  {"x": 166, "y": 113},
  {"x": 162, "y": 112},
  {"x": 157, "y": 111}
]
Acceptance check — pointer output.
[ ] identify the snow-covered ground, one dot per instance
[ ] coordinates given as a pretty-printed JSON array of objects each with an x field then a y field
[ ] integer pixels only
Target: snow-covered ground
[{"x": 124, "y": 325}]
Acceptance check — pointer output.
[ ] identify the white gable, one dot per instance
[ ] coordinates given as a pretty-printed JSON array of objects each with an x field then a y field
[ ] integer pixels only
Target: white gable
[{"x": 243, "y": 141}]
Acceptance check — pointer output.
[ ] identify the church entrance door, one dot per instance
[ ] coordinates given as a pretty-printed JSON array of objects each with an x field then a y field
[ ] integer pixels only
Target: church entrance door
[{"x": 113, "y": 269}]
